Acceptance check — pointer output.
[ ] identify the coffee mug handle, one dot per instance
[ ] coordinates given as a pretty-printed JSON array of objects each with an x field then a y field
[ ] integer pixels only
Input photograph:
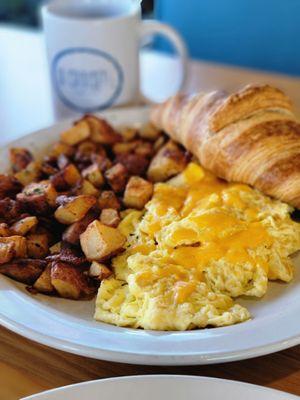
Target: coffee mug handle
[{"x": 152, "y": 27}]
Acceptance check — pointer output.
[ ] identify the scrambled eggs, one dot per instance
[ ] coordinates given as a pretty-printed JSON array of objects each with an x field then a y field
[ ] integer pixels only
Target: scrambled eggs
[{"x": 200, "y": 243}]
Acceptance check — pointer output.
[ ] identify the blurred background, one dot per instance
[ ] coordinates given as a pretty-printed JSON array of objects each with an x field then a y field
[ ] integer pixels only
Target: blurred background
[{"x": 260, "y": 34}]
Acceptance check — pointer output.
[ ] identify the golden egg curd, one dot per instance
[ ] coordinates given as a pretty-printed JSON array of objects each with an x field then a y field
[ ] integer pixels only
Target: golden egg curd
[{"x": 200, "y": 243}]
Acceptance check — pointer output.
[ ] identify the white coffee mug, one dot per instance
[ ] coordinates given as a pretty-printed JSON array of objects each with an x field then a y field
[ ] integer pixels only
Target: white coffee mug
[{"x": 93, "y": 51}]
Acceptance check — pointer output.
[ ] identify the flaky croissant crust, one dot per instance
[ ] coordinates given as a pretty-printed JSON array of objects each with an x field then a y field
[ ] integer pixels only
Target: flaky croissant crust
[{"x": 251, "y": 136}]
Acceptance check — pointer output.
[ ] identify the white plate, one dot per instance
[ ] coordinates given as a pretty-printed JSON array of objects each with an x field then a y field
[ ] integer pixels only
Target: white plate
[
  {"x": 162, "y": 387},
  {"x": 68, "y": 325}
]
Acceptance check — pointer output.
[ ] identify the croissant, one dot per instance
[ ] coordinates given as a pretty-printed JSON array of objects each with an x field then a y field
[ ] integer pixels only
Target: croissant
[{"x": 251, "y": 136}]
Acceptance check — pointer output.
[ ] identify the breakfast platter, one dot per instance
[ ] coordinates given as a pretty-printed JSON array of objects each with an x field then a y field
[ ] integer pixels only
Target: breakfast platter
[{"x": 141, "y": 249}]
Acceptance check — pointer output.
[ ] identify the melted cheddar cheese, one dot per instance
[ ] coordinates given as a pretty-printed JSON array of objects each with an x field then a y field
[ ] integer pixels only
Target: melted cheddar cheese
[{"x": 200, "y": 243}]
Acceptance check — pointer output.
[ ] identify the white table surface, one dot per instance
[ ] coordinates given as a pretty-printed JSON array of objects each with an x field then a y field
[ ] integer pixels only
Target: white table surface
[{"x": 25, "y": 100}]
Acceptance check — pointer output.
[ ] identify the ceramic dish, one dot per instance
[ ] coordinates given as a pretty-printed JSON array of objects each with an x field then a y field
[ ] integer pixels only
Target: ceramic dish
[
  {"x": 68, "y": 325},
  {"x": 159, "y": 387}
]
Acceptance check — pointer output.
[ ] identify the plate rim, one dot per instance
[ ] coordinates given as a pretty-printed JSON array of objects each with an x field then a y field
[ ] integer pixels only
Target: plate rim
[
  {"x": 131, "y": 357},
  {"x": 199, "y": 378}
]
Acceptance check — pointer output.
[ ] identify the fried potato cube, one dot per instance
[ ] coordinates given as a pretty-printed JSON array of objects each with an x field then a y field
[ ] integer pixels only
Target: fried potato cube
[
  {"x": 99, "y": 271},
  {"x": 137, "y": 193},
  {"x": 5, "y": 230},
  {"x": 38, "y": 197},
  {"x": 99, "y": 242},
  {"x": 7, "y": 252},
  {"x": 43, "y": 283},
  {"x": 135, "y": 164},
  {"x": 94, "y": 175},
  {"x": 37, "y": 245},
  {"x": 110, "y": 217},
  {"x": 169, "y": 161},
  {"x": 87, "y": 188},
  {"x": 24, "y": 270},
  {"x": 55, "y": 248},
  {"x": 9, "y": 186},
  {"x": 116, "y": 177},
  {"x": 62, "y": 148},
  {"x": 149, "y": 131},
  {"x": 78, "y": 133},
  {"x": 19, "y": 158},
  {"x": 48, "y": 166},
  {"x": 74, "y": 209},
  {"x": 145, "y": 149},
  {"x": 108, "y": 199},
  {"x": 88, "y": 147},
  {"x": 128, "y": 133},
  {"x": 29, "y": 174},
  {"x": 125, "y": 147},
  {"x": 23, "y": 226},
  {"x": 73, "y": 232},
  {"x": 70, "y": 282},
  {"x": 19, "y": 245},
  {"x": 69, "y": 176},
  {"x": 10, "y": 209},
  {"x": 101, "y": 131}
]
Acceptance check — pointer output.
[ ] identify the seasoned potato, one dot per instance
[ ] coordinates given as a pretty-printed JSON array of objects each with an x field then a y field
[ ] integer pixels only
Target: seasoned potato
[
  {"x": 19, "y": 158},
  {"x": 99, "y": 271},
  {"x": 23, "y": 270},
  {"x": 88, "y": 147},
  {"x": 9, "y": 186},
  {"x": 10, "y": 209},
  {"x": 55, "y": 248},
  {"x": 5, "y": 230},
  {"x": 70, "y": 255},
  {"x": 169, "y": 161},
  {"x": 99, "y": 242},
  {"x": 24, "y": 225},
  {"x": 37, "y": 245},
  {"x": 101, "y": 131},
  {"x": 145, "y": 149},
  {"x": 79, "y": 132},
  {"x": 73, "y": 232},
  {"x": 128, "y": 133},
  {"x": 44, "y": 189},
  {"x": 61, "y": 148},
  {"x": 43, "y": 283},
  {"x": 70, "y": 282},
  {"x": 110, "y": 217},
  {"x": 66, "y": 178},
  {"x": 48, "y": 166},
  {"x": 149, "y": 131},
  {"x": 108, "y": 199},
  {"x": 125, "y": 147},
  {"x": 135, "y": 164},
  {"x": 7, "y": 252},
  {"x": 29, "y": 174},
  {"x": 19, "y": 245},
  {"x": 74, "y": 209},
  {"x": 116, "y": 177},
  {"x": 38, "y": 197},
  {"x": 137, "y": 193},
  {"x": 87, "y": 188},
  {"x": 93, "y": 175}
]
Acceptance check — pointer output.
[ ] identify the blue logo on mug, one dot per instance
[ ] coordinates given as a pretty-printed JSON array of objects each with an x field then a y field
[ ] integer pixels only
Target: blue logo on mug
[{"x": 86, "y": 79}]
